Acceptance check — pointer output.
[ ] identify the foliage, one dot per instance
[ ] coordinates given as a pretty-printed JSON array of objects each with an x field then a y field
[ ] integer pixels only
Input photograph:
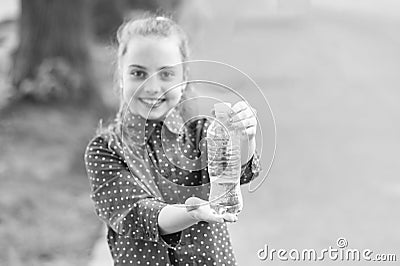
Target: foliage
[{"x": 55, "y": 79}]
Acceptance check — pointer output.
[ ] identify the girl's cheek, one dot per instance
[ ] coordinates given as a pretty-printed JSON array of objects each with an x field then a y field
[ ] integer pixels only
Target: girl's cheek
[
  {"x": 129, "y": 94},
  {"x": 131, "y": 87},
  {"x": 175, "y": 94}
]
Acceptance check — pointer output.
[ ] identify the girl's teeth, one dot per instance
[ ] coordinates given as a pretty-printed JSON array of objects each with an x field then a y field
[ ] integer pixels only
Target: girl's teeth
[{"x": 151, "y": 101}]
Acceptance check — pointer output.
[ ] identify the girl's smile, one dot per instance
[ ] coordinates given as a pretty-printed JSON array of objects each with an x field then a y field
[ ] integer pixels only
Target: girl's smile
[{"x": 152, "y": 102}]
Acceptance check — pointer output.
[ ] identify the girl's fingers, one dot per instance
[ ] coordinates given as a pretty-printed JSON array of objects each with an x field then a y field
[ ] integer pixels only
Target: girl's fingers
[
  {"x": 217, "y": 218},
  {"x": 201, "y": 210},
  {"x": 242, "y": 113},
  {"x": 245, "y": 123},
  {"x": 220, "y": 218},
  {"x": 239, "y": 107},
  {"x": 229, "y": 217},
  {"x": 241, "y": 116},
  {"x": 248, "y": 133},
  {"x": 251, "y": 131},
  {"x": 211, "y": 216},
  {"x": 243, "y": 107}
]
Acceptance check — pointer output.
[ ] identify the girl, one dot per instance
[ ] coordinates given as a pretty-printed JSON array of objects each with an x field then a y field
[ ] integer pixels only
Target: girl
[{"x": 138, "y": 177}]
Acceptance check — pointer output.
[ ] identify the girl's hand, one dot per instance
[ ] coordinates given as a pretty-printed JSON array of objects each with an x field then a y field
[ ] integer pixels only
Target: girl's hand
[
  {"x": 243, "y": 117},
  {"x": 200, "y": 210}
]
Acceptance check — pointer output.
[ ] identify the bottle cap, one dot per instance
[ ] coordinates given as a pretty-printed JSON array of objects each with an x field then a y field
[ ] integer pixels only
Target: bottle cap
[{"x": 223, "y": 107}]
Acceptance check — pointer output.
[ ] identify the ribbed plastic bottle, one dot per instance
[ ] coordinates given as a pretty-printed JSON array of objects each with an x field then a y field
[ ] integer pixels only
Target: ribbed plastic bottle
[{"x": 223, "y": 149}]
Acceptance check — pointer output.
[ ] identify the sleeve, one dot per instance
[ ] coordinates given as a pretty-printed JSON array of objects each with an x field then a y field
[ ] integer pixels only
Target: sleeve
[
  {"x": 119, "y": 198},
  {"x": 251, "y": 169}
]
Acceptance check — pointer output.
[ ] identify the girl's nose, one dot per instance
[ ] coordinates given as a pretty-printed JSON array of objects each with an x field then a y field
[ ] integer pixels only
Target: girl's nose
[{"x": 152, "y": 86}]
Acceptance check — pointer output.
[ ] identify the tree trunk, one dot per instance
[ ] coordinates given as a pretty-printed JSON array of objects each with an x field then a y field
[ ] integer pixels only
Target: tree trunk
[
  {"x": 52, "y": 61},
  {"x": 107, "y": 17}
]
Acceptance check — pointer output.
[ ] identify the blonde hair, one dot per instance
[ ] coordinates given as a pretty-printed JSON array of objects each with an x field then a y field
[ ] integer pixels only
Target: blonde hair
[{"x": 158, "y": 26}]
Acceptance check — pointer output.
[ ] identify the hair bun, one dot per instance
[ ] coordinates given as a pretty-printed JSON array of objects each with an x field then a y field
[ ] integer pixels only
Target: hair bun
[{"x": 160, "y": 18}]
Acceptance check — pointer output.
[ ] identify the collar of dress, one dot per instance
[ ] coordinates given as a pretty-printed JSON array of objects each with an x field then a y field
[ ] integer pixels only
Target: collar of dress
[{"x": 139, "y": 129}]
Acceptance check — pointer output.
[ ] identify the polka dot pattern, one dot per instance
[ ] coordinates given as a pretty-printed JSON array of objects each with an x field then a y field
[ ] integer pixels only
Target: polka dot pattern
[{"x": 132, "y": 180}]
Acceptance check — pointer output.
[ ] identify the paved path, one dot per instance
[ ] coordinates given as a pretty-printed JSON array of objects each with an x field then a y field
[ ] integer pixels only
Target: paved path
[{"x": 101, "y": 255}]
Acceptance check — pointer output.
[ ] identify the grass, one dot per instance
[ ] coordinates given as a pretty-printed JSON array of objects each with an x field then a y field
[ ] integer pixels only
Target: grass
[{"x": 46, "y": 216}]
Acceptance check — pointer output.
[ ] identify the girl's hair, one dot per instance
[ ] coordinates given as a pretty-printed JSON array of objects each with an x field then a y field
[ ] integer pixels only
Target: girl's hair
[{"x": 158, "y": 26}]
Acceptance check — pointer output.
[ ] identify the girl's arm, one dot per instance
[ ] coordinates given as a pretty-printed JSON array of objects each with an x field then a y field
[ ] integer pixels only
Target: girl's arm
[
  {"x": 177, "y": 217},
  {"x": 173, "y": 219}
]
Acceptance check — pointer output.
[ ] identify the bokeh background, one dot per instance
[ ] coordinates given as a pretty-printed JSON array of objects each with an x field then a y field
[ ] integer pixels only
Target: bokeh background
[{"x": 329, "y": 68}]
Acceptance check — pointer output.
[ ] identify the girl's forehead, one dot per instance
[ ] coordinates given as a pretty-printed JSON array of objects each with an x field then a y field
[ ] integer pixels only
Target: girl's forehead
[{"x": 153, "y": 51}]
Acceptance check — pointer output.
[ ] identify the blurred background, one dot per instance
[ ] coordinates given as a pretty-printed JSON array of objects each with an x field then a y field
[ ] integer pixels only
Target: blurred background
[{"x": 329, "y": 68}]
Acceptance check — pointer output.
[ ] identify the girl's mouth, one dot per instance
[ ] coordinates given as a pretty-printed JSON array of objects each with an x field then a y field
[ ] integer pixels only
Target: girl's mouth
[{"x": 151, "y": 102}]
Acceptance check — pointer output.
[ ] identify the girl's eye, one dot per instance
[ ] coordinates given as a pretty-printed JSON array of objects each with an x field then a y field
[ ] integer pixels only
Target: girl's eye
[
  {"x": 138, "y": 74},
  {"x": 167, "y": 74}
]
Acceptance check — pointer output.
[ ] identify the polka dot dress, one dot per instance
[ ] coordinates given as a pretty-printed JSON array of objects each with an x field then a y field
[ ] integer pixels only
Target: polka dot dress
[{"x": 137, "y": 168}]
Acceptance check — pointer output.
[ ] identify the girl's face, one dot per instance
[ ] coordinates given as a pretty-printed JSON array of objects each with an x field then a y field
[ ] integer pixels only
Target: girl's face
[{"x": 158, "y": 58}]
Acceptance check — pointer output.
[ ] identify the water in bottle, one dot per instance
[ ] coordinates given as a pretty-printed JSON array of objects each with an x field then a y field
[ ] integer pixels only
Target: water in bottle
[{"x": 223, "y": 149}]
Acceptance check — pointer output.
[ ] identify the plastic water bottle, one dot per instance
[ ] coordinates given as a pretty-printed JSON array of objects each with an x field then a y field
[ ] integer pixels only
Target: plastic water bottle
[{"x": 223, "y": 149}]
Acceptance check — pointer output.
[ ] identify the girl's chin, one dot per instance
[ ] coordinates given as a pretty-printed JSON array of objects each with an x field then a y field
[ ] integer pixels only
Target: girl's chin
[{"x": 153, "y": 114}]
